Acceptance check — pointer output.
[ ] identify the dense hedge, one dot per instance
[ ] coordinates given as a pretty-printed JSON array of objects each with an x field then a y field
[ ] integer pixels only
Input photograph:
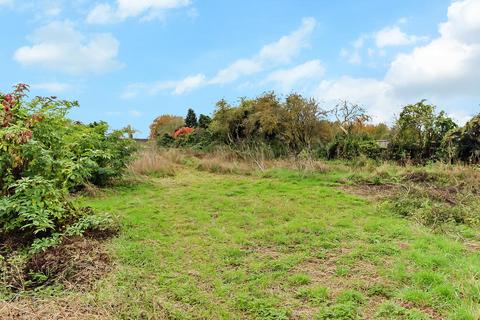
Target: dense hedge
[{"x": 44, "y": 156}]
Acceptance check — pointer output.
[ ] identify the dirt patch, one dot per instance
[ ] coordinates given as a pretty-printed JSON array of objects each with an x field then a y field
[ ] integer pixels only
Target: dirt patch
[
  {"x": 378, "y": 192},
  {"x": 59, "y": 309},
  {"x": 270, "y": 252},
  {"x": 360, "y": 276},
  {"x": 373, "y": 192},
  {"x": 432, "y": 313},
  {"x": 13, "y": 241},
  {"x": 325, "y": 272},
  {"x": 75, "y": 263},
  {"x": 473, "y": 246}
]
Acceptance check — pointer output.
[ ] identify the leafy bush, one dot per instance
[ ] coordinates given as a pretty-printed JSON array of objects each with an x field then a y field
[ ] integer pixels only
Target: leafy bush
[
  {"x": 351, "y": 147},
  {"x": 200, "y": 139},
  {"x": 463, "y": 144},
  {"x": 35, "y": 204},
  {"x": 43, "y": 156},
  {"x": 204, "y": 121}
]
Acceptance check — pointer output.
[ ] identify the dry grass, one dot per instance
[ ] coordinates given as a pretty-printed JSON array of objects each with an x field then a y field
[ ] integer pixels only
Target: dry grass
[
  {"x": 216, "y": 165},
  {"x": 92, "y": 190},
  {"x": 174, "y": 156},
  {"x": 164, "y": 162},
  {"x": 51, "y": 308},
  {"x": 303, "y": 165},
  {"x": 75, "y": 264},
  {"x": 225, "y": 163},
  {"x": 152, "y": 162}
]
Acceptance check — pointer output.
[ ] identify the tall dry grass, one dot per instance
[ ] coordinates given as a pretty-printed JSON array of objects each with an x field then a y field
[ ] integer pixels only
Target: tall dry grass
[
  {"x": 306, "y": 165},
  {"x": 164, "y": 162},
  {"x": 225, "y": 164},
  {"x": 152, "y": 162}
]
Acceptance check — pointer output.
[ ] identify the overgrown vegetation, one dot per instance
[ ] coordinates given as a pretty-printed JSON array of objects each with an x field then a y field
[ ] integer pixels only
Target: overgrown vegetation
[
  {"x": 249, "y": 214},
  {"x": 436, "y": 195},
  {"x": 280, "y": 243},
  {"x": 422, "y": 140},
  {"x": 43, "y": 157},
  {"x": 299, "y": 125}
]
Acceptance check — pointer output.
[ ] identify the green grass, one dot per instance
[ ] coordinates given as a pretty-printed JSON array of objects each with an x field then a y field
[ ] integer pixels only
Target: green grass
[{"x": 277, "y": 246}]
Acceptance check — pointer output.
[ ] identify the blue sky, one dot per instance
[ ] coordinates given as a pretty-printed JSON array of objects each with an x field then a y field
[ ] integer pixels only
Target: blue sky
[{"x": 128, "y": 61}]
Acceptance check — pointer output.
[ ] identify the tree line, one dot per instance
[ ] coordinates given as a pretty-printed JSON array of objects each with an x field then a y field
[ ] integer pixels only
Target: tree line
[{"x": 296, "y": 124}]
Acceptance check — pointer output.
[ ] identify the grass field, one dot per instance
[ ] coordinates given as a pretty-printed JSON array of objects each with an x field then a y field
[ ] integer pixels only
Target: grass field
[{"x": 277, "y": 245}]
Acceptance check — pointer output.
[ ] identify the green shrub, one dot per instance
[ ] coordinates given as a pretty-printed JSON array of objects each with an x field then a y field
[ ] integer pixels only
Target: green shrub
[
  {"x": 35, "y": 205},
  {"x": 43, "y": 156},
  {"x": 352, "y": 147}
]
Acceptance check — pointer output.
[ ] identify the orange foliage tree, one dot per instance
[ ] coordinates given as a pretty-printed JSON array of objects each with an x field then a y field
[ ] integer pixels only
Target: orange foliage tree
[{"x": 165, "y": 124}]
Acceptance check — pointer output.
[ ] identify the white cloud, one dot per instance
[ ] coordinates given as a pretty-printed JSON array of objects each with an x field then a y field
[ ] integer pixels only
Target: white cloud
[
  {"x": 135, "y": 113},
  {"x": 241, "y": 67},
  {"x": 391, "y": 36},
  {"x": 192, "y": 13},
  {"x": 394, "y": 36},
  {"x": 376, "y": 95},
  {"x": 449, "y": 64},
  {"x": 289, "y": 46},
  {"x": 48, "y": 9},
  {"x": 288, "y": 78},
  {"x": 443, "y": 70},
  {"x": 145, "y": 9},
  {"x": 39, "y": 10},
  {"x": 353, "y": 55},
  {"x": 101, "y": 14},
  {"x": 460, "y": 116},
  {"x": 444, "y": 67},
  {"x": 175, "y": 87},
  {"x": 53, "y": 87},
  {"x": 189, "y": 83},
  {"x": 278, "y": 52},
  {"x": 58, "y": 46},
  {"x": 463, "y": 22},
  {"x": 269, "y": 56}
]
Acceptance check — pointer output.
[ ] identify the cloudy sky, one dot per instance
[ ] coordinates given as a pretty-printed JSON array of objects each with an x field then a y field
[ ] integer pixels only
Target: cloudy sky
[{"x": 127, "y": 61}]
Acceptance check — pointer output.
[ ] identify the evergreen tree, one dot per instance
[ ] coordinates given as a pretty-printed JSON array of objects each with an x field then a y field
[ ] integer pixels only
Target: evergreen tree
[
  {"x": 204, "y": 121},
  {"x": 191, "y": 119}
]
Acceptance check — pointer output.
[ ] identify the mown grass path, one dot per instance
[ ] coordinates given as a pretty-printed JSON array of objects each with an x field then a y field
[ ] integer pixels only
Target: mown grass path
[{"x": 282, "y": 246}]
